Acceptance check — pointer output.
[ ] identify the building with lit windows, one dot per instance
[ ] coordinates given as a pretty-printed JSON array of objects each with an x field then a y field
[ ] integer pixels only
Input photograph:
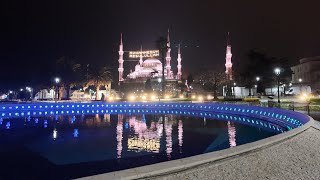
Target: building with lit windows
[{"x": 307, "y": 73}]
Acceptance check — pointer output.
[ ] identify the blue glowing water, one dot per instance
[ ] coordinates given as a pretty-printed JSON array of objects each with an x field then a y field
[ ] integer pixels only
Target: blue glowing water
[{"x": 70, "y": 146}]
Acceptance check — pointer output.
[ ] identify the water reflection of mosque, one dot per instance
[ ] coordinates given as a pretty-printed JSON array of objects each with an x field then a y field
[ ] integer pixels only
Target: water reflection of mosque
[
  {"x": 147, "y": 138},
  {"x": 153, "y": 136}
]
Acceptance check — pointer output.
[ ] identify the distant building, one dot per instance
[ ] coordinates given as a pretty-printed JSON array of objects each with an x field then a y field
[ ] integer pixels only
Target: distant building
[
  {"x": 45, "y": 94},
  {"x": 308, "y": 71}
]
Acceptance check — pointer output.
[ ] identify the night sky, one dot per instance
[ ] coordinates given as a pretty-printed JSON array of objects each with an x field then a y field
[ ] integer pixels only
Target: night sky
[{"x": 34, "y": 34}]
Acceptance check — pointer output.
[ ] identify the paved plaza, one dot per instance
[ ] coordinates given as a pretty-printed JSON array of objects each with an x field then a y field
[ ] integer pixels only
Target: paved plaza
[{"x": 294, "y": 158}]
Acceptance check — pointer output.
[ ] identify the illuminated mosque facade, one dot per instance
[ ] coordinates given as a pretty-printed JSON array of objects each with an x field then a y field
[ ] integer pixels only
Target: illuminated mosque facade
[{"x": 150, "y": 67}]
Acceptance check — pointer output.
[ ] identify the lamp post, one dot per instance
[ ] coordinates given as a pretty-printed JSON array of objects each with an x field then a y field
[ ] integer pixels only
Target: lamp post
[
  {"x": 159, "y": 81},
  {"x": 57, "y": 81},
  {"x": 234, "y": 85},
  {"x": 300, "y": 82},
  {"x": 257, "y": 79},
  {"x": 277, "y": 71},
  {"x": 163, "y": 46},
  {"x": 30, "y": 90}
]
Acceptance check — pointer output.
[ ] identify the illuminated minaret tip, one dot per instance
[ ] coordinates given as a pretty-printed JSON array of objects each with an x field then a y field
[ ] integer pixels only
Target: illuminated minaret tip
[
  {"x": 168, "y": 57},
  {"x": 120, "y": 69},
  {"x": 140, "y": 61},
  {"x": 228, "y": 59},
  {"x": 179, "y": 64}
]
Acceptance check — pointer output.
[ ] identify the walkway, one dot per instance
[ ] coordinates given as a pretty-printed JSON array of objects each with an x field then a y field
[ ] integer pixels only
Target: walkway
[{"x": 295, "y": 158}]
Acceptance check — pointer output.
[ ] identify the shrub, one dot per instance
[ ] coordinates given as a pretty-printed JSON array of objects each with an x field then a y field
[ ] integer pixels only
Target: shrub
[
  {"x": 315, "y": 100},
  {"x": 250, "y": 99}
]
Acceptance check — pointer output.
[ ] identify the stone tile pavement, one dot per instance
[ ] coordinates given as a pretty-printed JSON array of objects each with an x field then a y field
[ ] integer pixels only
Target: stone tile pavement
[{"x": 295, "y": 158}]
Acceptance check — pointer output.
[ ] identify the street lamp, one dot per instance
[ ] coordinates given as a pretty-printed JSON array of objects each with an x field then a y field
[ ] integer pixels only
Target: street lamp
[
  {"x": 277, "y": 71},
  {"x": 234, "y": 85},
  {"x": 300, "y": 82},
  {"x": 57, "y": 81},
  {"x": 256, "y": 86},
  {"x": 29, "y": 89}
]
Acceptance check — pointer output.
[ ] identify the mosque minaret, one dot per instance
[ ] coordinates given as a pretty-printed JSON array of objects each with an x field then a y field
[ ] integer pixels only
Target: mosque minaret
[{"x": 150, "y": 67}]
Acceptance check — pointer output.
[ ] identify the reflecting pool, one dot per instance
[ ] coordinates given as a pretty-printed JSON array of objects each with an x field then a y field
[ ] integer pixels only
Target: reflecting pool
[{"x": 71, "y": 146}]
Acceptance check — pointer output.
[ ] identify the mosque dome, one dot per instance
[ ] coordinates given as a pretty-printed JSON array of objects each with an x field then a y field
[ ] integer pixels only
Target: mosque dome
[{"x": 151, "y": 62}]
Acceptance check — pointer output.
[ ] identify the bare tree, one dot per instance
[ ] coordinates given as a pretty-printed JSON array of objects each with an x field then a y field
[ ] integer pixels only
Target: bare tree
[{"x": 211, "y": 80}]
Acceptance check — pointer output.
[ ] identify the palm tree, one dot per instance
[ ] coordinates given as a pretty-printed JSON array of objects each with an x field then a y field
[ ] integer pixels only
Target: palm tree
[
  {"x": 98, "y": 76},
  {"x": 69, "y": 71}
]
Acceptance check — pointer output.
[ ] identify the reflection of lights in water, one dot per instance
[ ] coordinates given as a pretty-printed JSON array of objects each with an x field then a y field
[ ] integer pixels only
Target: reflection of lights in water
[
  {"x": 180, "y": 133},
  {"x": 75, "y": 133},
  {"x": 106, "y": 118},
  {"x": 56, "y": 117},
  {"x": 28, "y": 118},
  {"x": 36, "y": 120},
  {"x": 232, "y": 134},
  {"x": 204, "y": 120},
  {"x": 45, "y": 123},
  {"x": 142, "y": 131},
  {"x": 168, "y": 130},
  {"x": 145, "y": 139},
  {"x": 73, "y": 119},
  {"x": 1, "y": 120},
  {"x": 152, "y": 145},
  {"x": 119, "y": 135},
  {"x": 55, "y": 134},
  {"x": 8, "y": 125},
  {"x": 98, "y": 119}
]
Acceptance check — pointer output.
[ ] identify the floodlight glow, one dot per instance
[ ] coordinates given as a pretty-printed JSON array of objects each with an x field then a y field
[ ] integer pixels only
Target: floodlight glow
[
  {"x": 200, "y": 98},
  {"x": 300, "y": 80},
  {"x": 181, "y": 96},
  {"x": 132, "y": 98},
  {"x": 167, "y": 96},
  {"x": 209, "y": 97},
  {"x": 193, "y": 96},
  {"x": 153, "y": 97}
]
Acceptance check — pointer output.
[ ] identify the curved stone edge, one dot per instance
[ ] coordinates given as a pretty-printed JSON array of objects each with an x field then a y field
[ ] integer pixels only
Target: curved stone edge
[{"x": 173, "y": 166}]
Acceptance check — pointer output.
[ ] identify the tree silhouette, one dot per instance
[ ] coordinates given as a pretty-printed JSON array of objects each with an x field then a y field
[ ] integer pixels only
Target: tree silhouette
[
  {"x": 211, "y": 80},
  {"x": 148, "y": 86},
  {"x": 262, "y": 65},
  {"x": 69, "y": 72},
  {"x": 98, "y": 76}
]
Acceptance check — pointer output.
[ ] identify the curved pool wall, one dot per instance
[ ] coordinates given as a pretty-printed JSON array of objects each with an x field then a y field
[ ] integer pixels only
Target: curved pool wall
[{"x": 273, "y": 118}]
